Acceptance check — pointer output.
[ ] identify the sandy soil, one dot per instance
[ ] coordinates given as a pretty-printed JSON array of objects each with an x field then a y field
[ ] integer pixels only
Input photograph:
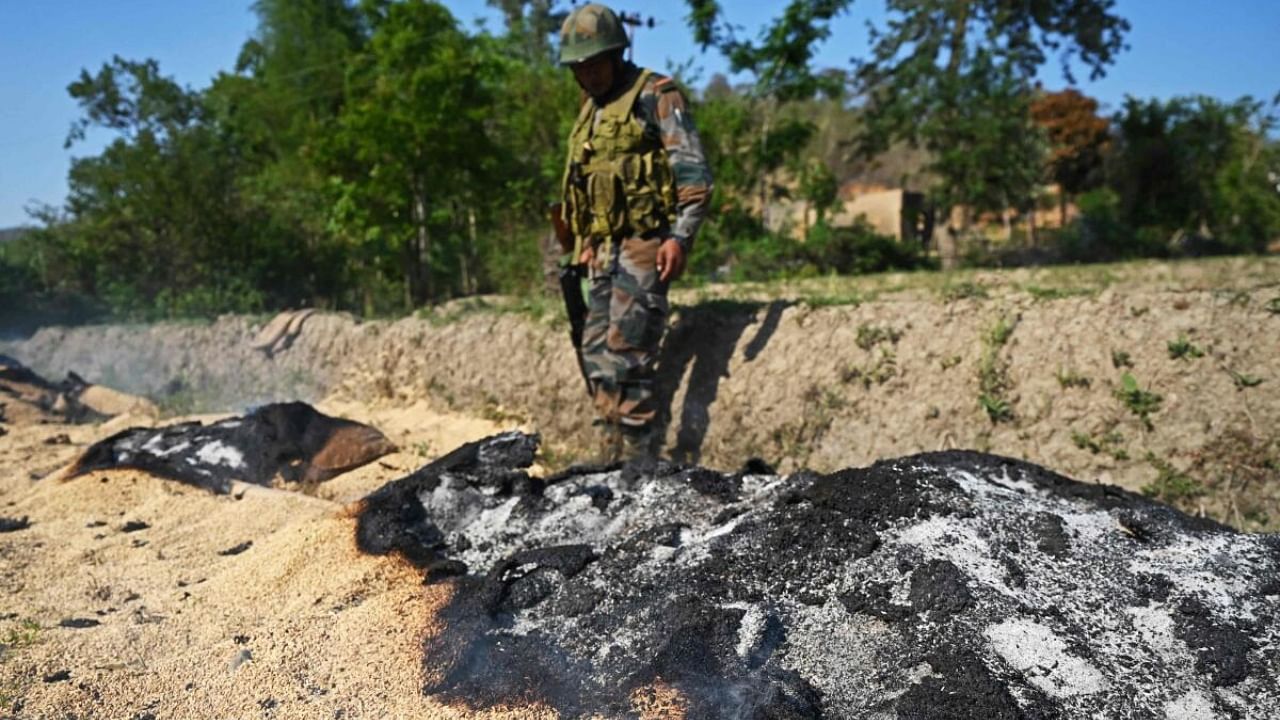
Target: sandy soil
[{"x": 299, "y": 625}]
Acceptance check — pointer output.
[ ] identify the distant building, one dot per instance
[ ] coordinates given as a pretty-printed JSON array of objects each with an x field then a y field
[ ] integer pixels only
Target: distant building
[
  {"x": 895, "y": 212},
  {"x": 901, "y": 214}
]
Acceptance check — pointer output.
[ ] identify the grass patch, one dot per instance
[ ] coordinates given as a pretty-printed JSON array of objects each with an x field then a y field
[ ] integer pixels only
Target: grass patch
[
  {"x": 1053, "y": 293},
  {"x": 870, "y": 335},
  {"x": 25, "y": 634},
  {"x": 998, "y": 409},
  {"x": 1109, "y": 443},
  {"x": 1121, "y": 359},
  {"x": 1001, "y": 332},
  {"x": 1273, "y": 306},
  {"x": 993, "y": 372},
  {"x": 1171, "y": 486},
  {"x": 797, "y": 440},
  {"x": 1243, "y": 380},
  {"x": 1140, "y": 402},
  {"x": 877, "y": 371},
  {"x": 949, "y": 362},
  {"x": 1072, "y": 379},
  {"x": 838, "y": 300},
  {"x": 535, "y": 306},
  {"x": 1183, "y": 349},
  {"x": 964, "y": 291}
]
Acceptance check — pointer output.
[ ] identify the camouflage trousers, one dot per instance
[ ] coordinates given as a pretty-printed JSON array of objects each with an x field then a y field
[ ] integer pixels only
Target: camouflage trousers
[{"x": 626, "y": 316}]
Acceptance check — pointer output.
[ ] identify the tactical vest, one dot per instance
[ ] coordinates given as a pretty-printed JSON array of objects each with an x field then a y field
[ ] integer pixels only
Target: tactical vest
[{"x": 617, "y": 182}]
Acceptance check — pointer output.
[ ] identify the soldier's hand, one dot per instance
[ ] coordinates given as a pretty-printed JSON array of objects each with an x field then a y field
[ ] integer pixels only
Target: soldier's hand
[
  {"x": 670, "y": 260},
  {"x": 588, "y": 256}
]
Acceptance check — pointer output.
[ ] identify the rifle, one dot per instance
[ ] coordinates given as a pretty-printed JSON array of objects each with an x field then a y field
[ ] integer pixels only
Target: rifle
[{"x": 572, "y": 275}]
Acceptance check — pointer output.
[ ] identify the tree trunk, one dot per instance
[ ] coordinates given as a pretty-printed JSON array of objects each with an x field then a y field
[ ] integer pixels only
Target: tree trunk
[
  {"x": 764, "y": 175},
  {"x": 959, "y": 29},
  {"x": 944, "y": 237},
  {"x": 422, "y": 291},
  {"x": 469, "y": 283},
  {"x": 1006, "y": 221}
]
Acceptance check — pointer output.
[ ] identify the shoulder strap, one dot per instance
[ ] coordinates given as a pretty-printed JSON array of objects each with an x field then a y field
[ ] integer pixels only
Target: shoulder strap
[{"x": 625, "y": 102}]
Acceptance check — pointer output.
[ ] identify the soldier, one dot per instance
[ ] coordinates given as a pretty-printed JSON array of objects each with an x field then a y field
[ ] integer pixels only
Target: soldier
[{"x": 636, "y": 189}]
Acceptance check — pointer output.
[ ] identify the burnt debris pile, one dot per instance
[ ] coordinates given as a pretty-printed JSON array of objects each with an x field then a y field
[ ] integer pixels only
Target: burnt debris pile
[
  {"x": 282, "y": 442},
  {"x": 28, "y": 398},
  {"x": 943, "y": 585}
]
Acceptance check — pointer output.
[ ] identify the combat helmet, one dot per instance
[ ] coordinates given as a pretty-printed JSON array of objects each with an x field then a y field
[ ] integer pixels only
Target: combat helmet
[{"x": 589, "y": 31}]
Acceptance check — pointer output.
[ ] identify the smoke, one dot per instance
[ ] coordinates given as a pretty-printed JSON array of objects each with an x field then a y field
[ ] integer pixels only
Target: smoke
[{"x": 182, "y": 367}]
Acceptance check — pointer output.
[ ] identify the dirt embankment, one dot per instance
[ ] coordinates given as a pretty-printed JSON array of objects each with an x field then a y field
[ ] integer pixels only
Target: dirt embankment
[{"x": 1153, "y": 374}]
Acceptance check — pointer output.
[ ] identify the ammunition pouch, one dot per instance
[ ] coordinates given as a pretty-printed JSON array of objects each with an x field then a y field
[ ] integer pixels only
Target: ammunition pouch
[{"x": 618, "y": 181}]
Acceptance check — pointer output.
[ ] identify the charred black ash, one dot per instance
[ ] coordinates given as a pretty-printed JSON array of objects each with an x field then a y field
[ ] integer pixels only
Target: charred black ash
[
  {"x": 943, "y": 585},
  {"x": 292, "y": 441}
]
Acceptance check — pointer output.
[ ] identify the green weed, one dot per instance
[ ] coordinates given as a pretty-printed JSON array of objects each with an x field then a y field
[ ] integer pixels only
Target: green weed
[
  {"x": 878, "y": 371},
  {"x": 1140, "y": 402},
  {"x": 1243, "y": 380},
  {"x": 1109, "y": 443},
  {"x": 26, "y": 634},
  {"x": 821, "y": 301},
  {"x": 950, "y": 362},
  {"x": 1171, "y": 486},
  {"x": 997, "y": 408},
  {"x": 1072, "y": 379},
  {"x": 1121, "y": 359},
  {"x": 993, "y": 380},
  {"x": 1001, "y": 332},
  {"x": 1182, "y": 348},
  {"x": 1139, "y": 311},
  {"x": 963, "y": 291},
  {"x": 1051, "y": 293},
  {"x": 870, "y": 335},
  {"x": 1273, "y": 306}
]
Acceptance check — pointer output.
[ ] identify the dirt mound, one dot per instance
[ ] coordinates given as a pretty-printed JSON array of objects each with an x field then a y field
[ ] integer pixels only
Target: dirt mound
[{"x": 945, "y": 585}]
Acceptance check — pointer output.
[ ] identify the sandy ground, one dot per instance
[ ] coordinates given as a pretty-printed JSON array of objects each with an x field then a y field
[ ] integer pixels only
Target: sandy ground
[{"x": 299, "y": 625}]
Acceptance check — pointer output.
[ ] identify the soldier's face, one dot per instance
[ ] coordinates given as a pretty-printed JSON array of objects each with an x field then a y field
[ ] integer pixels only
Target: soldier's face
[{"x": 595, "y": 75}]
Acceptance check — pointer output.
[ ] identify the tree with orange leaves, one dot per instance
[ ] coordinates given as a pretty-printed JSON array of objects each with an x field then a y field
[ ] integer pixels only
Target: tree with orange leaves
[{"x": 1077, "y": 137}]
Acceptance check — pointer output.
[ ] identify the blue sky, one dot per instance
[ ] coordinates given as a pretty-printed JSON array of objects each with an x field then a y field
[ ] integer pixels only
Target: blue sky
[{"x": 1224, "y": 48}]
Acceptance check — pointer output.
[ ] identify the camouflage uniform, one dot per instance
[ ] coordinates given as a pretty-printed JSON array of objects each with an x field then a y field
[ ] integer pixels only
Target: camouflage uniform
[{"x": 627, "y": 305}]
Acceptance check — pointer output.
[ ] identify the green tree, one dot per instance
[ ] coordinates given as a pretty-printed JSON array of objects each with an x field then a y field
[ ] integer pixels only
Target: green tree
[
  {"x": 279, "y": 108},
  {"x": 414, "y": 129},
  {"x": 952, "y": 76},
  {"x": 154, "y": 221},
  {"x": 1200, "y": 166}
]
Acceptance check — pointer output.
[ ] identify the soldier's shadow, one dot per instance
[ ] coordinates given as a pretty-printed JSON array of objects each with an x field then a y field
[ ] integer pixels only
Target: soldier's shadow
[{"x": 700, "y": 344}]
